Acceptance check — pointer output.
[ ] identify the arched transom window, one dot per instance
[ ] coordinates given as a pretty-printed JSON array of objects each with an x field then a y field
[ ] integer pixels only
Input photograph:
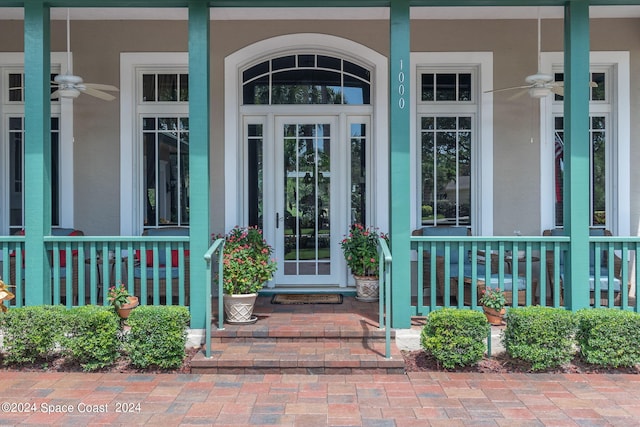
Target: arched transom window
[{"x": 306, "y": 79}]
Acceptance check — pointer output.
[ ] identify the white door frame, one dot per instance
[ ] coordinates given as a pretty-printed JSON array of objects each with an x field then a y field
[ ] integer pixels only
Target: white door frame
[{"x": 330, "y": 45}]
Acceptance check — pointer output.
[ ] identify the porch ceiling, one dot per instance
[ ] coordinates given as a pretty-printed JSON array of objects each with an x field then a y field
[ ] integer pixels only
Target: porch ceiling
[{"x": 343, "y": 13}]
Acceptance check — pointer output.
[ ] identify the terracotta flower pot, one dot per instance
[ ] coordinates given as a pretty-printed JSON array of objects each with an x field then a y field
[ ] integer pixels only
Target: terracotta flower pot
[
  {"x": 494, "y": 316},
  {"x": 125, "y": 309}
]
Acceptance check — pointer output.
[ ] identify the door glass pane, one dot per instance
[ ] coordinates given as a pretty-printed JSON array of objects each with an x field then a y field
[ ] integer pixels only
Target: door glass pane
[
  {"x": 358, "y": 173},
  {"x": 255, "y": 173},
  {"x": 307, "y": 165}
]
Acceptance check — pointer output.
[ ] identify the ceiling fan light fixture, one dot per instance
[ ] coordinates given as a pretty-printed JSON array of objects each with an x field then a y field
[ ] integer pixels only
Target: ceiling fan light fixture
[
  {"x": 68, "y": 93},
  {"x": 538, "y": 92}
]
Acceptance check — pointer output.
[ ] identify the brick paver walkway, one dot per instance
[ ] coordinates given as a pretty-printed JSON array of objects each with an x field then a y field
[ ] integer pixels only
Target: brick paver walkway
[{"x": 417, "y": 399}]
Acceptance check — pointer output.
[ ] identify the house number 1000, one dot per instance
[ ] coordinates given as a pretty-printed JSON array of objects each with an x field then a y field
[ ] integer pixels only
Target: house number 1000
[{"x": 401, "y": 101}]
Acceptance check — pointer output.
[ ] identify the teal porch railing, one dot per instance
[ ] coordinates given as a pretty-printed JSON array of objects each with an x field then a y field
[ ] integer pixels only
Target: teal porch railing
[
  {"x": 12, "y": 254},
  {"x": 452, "y": 270},
  {"x": 384, "y": 300},
  {"x": 216, "y": 247},
  {"x": 154, "y": 268}
]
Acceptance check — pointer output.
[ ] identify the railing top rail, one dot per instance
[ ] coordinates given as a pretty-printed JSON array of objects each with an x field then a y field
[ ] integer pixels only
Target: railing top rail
[
  {"x": 615, "y": 239},
  {"x": 116, "y": 239},
  {"x": 219, "y": 243},
  {"x": 384, "y": 248},
  {"x": 11, "y": 239},
  {"x": 535, "y": 239}
]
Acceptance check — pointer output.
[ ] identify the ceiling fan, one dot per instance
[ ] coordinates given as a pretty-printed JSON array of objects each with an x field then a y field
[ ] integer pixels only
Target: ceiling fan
[
  {"x": 70, "y": 86},
  {"x": 540, "y": 84}
]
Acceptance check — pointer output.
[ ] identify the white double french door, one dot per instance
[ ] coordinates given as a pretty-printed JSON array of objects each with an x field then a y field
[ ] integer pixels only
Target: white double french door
[
  {"x": 306, "y": 180},
  {"x": 309, "y": 212}
]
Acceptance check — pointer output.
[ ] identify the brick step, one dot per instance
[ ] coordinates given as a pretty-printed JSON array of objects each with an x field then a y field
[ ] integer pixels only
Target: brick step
[{"x": 300, "y": 356}]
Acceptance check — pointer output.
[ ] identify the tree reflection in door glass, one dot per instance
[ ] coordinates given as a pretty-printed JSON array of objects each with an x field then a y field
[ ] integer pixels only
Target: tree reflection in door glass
[{"x": 307, "y": 183}]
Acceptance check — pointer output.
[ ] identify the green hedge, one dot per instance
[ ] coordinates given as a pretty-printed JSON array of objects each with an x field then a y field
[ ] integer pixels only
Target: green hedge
[
  {"x": 543, "y": 336},
  {"x": 91, "y": 336},
  {"x": 157, "y": 336},
  {"x": 455, "y": 337},
  {"x": 609, "y": 337},
  {"x": 31, "y": 333}
]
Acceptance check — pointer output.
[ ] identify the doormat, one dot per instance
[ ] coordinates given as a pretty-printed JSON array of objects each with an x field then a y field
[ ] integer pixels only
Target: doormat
[{"x": 306, "y": 299}]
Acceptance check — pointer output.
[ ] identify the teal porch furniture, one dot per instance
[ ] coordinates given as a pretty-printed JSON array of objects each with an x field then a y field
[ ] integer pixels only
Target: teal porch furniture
[
  {"x": 440, "y": 266},
  {"x": 66, "y": 272},
  {"x": 164, "y": 264},
  {"x": 602, "y": 271}
]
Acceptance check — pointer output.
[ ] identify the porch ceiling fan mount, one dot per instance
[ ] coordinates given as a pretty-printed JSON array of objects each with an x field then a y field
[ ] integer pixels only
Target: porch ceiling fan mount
[
  {"x": 71, "y": 86},
  {"x": 539, "y": 85}
]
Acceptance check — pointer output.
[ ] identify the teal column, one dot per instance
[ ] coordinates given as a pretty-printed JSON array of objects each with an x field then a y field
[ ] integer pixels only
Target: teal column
[
  {"x": 399, "y": 115},
  {"x": 37, "y": 149},
  {"x": 199, "y": 235},
  {"x": 576, "y": 173}
]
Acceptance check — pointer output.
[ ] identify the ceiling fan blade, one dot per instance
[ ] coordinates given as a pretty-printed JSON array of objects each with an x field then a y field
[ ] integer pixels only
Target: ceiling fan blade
[
  {"x": 508, "y": 88},
  {"x": 518, "y": 94},
  {"x": 98, "y": 94},
  {"x": 558, "y": 90},
  {"x": 100, "y": 86}
]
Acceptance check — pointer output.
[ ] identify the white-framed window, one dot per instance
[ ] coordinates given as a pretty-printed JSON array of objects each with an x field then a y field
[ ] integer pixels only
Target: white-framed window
[
  {"x": 453, "y": 140},
  {"x": 154, "y": 141},
  {"x": 12, "y": 140},
  {"x": 608, "y": 143}
]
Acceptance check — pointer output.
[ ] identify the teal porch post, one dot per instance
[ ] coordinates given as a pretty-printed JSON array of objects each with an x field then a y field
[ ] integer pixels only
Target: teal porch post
[
  {"x": 199, "y": 235},
  {"x": 37, "y": 150},
  {"x": 400, "y": 222},
  {"x": 577, "y": 174}
]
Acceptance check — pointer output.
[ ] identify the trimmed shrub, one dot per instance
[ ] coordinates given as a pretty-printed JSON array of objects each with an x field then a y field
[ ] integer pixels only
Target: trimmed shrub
[
  {"x": 91, "y": 336},
  {"x": 455, "y": 337},
  {"x": 31, "y": 333},
  {"x": 158, "y": 336},
  {"x": 543, "y": 336},
  {"x": 609, "y": 337}
]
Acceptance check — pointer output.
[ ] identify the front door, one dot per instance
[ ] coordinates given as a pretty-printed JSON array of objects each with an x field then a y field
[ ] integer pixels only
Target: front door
[{"x": 309, "y": 213}]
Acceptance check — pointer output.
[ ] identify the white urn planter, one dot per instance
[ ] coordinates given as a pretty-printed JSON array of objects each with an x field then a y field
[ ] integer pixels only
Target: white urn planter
[
  {"x": 367, "y": 288},
  {"x": 238, "y": 308}
]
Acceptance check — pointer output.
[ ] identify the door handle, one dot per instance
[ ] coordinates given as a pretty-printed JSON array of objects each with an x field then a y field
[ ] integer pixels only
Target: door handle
[{"x": 277, "y": 219}]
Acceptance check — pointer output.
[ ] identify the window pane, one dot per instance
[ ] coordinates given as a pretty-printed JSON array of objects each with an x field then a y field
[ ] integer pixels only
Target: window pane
[
  {"x": 329, "y": 62},
  {"x": 598, "y": 93},
  {"x": 356, "y": 70},
  {"x": 306, "y": 61},
  {"x": 428, "y": 87},
  {"x": 598, "y": 154},
  {"x": 166, "y": 171},
  {"x": 256, "y": 92},
  {"x": 15, "y": 87},
  {"x": 283, "y": 63},
  {"x": 356, "y": 91},
  {"x": 167, "y": 87},
  {"x": 446, "y": 87},
  {"x": 184, "y": 87},
  {"x": 149, "y": 87},
  {"x": 464, "y": 87},
  {"x": 16, "y": 154},
  {"x": 559, "y": 171},
  {"x": 255, "y": 71},
  {"x": 55, "y": 172},
  {"x": 446, "y": 170},
  {"x": 306, "y": 79}
]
